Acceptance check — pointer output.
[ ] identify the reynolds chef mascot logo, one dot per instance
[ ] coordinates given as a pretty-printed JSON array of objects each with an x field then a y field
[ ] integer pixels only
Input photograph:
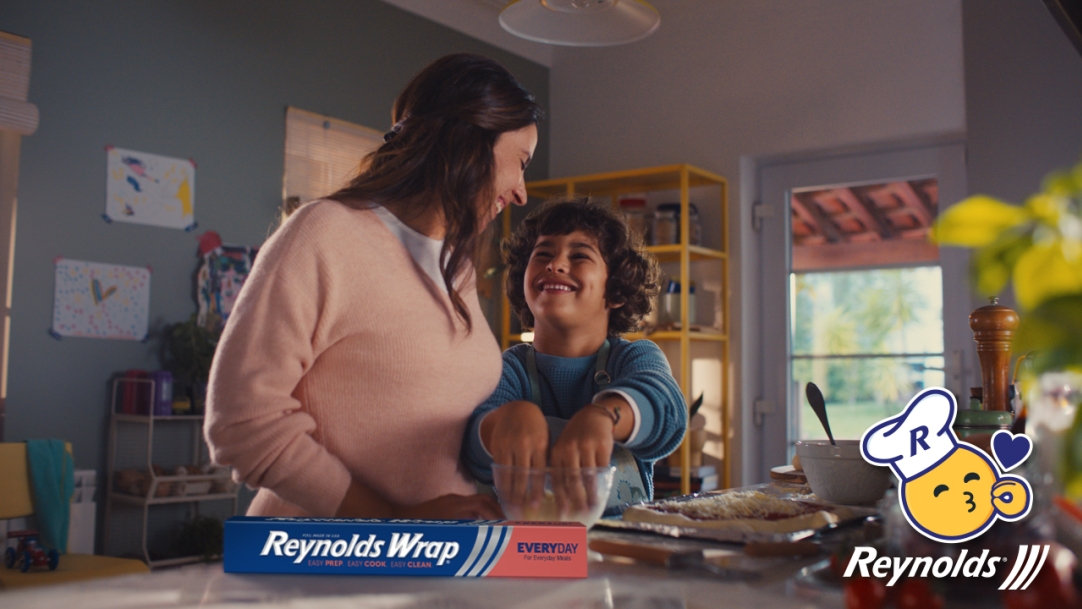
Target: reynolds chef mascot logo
[{"x": 950, "y": 490}]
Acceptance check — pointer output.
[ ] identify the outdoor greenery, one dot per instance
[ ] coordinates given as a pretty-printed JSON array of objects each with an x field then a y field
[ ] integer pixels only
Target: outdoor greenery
[{"x": 866, "y": 312}]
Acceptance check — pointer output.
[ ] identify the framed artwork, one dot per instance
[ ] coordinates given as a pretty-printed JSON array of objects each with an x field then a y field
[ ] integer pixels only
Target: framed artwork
[
  {"x": 144, "y": 188},
  {"x": 95, "y": 300}
]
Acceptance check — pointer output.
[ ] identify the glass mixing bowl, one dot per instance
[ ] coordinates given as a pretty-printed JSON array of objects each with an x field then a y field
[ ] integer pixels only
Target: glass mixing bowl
[{"x": 553, "y": 494}]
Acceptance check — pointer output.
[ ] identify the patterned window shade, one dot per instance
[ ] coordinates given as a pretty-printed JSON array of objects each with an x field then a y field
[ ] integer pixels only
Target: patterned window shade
[
  {"x": 16, "y": 114},
  {"x": 322, "y": 153}
]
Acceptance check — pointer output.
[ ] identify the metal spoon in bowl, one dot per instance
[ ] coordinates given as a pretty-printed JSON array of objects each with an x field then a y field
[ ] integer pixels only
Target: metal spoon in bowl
[{"x": 819, "y": 405}]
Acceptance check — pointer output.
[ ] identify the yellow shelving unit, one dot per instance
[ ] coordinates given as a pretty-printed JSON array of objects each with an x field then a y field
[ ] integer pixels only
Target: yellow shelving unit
[{"x": 656, "y": 180}]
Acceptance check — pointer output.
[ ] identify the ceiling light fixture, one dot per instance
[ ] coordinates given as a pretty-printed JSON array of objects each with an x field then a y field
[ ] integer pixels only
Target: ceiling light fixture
[{"x": 580, "y": 23}]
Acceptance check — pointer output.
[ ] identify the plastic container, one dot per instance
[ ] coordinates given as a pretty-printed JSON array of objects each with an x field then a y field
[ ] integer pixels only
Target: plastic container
[
  {"x": 634, "y": 210},
  {"x": 163, "y": 393},
  {"x": 182, "y": 405},
  {"x": 667, "y": 224},
  {"x": 669, "y": 305},
  {"x": 135, "y": 395}
]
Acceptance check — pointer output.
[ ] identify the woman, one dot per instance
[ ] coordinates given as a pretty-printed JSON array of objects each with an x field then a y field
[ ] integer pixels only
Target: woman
[{"x": 356, "y": 350}]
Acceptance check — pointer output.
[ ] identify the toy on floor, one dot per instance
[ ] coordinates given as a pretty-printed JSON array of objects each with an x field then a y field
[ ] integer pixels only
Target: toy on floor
[{"x": 29, "y": 553}]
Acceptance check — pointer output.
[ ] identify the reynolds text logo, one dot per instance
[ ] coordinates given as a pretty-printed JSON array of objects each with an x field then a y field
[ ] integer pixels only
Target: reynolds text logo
[{"x": 866, "y": 562}]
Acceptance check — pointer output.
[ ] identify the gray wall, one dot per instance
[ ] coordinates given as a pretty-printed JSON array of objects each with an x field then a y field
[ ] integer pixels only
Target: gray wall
[
  {"x": 1023, "y": 97},
  {"x": 199, "y": 79},
  {"x": 726, "y": 82}
]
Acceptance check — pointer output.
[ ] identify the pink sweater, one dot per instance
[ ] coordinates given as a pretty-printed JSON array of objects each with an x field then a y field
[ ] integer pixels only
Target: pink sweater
[{"x": 342, "y": 359}]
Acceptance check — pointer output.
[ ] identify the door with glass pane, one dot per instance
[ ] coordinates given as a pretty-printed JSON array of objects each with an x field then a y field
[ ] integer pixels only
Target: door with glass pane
[{"x": 854, "y": 296}]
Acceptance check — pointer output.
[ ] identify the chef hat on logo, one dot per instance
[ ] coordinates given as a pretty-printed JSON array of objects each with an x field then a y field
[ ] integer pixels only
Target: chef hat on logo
[{"x": 916, "y": 440}]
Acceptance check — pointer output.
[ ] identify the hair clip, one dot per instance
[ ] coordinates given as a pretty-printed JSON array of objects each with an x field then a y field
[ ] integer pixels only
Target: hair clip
[{"x": 393, "y": 132}]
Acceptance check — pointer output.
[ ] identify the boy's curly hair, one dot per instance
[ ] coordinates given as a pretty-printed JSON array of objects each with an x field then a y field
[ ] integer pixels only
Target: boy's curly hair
[{"x": 633, "y": 274}]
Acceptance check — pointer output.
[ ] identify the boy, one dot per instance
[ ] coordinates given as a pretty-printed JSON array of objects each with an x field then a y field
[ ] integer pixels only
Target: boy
[{"x": 579, "y": 279}]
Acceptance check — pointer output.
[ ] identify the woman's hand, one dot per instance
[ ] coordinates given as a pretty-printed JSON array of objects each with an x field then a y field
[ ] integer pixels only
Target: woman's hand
[
  {"x": 454, "y": 507},
  {"x": 516, "y": 434}
]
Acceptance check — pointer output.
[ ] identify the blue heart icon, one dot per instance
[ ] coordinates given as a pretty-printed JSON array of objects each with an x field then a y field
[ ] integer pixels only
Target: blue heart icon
[{"x": 1010, "y": 449}]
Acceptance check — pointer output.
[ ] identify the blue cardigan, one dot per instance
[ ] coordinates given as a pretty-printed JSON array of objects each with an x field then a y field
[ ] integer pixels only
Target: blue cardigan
[{"x": 637, "y": 368}]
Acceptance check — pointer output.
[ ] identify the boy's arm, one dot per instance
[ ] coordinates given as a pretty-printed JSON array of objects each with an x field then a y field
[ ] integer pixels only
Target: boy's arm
[
  {"x": 641, "y": 372},
  {"x": 587, "y": 439},
  {"x": 513, "y": 386}
]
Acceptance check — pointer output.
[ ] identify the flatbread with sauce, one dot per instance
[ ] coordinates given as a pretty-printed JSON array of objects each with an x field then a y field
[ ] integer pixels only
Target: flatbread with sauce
[{"x": 745, "y": 511}]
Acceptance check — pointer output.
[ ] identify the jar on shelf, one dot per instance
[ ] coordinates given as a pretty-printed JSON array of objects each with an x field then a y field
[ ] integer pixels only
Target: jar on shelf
[
  {"x": 669, "y": 303},
  {"x": 634, "y": 210},
  {"x": 667, "y": 224},
  {"x": 694, "y": 227}
]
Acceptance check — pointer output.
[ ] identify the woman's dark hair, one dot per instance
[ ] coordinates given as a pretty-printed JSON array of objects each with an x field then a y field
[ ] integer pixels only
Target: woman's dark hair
[
  {"x": 439, "y": 152},
  {"x": 633, "y": 274}
]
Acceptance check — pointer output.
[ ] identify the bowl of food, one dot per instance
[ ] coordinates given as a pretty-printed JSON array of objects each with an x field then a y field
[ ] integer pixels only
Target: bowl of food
[
  {"x": 839, "y": 474},
  {"x": 553, "y": 494}
]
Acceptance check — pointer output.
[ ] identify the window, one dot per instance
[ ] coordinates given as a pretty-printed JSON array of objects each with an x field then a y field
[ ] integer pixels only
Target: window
[
  {"x": 865, "y": 209},
  {"x": 869, "y": 339},
  {"x": 322, "y": 153},
  {"x": 866, "y": 303}
]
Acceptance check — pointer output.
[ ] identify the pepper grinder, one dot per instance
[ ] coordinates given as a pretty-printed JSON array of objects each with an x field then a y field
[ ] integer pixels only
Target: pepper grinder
[{"x": 993, "y": 328}]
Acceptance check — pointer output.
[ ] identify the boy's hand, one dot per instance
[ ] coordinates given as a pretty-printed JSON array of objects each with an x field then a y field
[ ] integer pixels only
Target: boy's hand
[
  {"x": 586, "y": 441},
  {"x": 517, "y": 434}
]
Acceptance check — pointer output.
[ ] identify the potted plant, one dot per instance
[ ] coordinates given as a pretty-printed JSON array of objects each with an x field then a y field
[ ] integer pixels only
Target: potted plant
[
  {"x": 188, "y": 354},
  {"x": 1037, "y": 249}
]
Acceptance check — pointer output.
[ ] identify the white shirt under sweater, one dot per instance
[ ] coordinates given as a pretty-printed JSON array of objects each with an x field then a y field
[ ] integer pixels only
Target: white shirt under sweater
[{"x": 424, "y": 249}]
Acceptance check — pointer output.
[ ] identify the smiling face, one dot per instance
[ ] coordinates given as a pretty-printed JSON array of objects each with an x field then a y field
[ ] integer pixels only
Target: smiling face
[
  {"x": 511, "y": 154},
  {"x": 565, "y": 282},
  {"x": 955, "y": 498}
]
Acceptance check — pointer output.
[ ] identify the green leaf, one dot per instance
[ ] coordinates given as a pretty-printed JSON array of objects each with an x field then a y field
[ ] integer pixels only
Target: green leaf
[
  {"x": 991, "y": 266},
  {"x": 1042, "y": 272},
  {"x": 1047, "y": 208},
  {"x": 1064, "y": 183},
  {"x": 1053, "y": 330},
  {"x": 977, "y": 221}
]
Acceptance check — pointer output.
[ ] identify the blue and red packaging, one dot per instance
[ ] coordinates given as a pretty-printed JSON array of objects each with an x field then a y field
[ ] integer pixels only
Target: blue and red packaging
[{"x": 442, "y": 548}]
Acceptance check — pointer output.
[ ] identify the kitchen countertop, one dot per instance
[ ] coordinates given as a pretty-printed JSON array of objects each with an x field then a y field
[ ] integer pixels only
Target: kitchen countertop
[{"x": 615, "y": 583}]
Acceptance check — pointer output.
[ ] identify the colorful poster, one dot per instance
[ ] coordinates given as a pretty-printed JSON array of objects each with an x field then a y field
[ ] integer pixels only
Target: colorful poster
[
  {"x": 219, "y": 279},
  {"x": 96, "y": 300},
  {"x": 144, "y": 188}
]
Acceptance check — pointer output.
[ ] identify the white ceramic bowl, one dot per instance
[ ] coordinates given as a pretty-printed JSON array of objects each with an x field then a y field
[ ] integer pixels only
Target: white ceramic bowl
[
  {"x": 553, "y": 494},
  {"x": 838, "y": 474}
]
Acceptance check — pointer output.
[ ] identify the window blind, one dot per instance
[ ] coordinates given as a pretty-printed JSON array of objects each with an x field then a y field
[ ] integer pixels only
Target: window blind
[
  {"x": 16, "y": 114},
  {"x": 322, "y": 153}
]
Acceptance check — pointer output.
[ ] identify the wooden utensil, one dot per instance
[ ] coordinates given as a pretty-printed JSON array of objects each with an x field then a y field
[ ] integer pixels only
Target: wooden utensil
[{"x": 819, "y": 407}]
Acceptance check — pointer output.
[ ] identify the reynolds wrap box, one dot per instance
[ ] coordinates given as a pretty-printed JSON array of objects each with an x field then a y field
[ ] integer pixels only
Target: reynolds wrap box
[{"x": 447, "y": 548}]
